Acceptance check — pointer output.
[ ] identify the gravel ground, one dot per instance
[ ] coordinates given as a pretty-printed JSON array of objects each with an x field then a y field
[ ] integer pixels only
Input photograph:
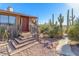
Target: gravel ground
[
  {"x": 37, "y": 50},
  {"x": 3, "y": 50}
]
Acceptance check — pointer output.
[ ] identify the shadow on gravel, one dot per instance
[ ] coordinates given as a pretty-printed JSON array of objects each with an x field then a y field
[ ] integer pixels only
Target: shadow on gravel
[
  {"x": 48, "y": 41},
  {"x": 66, "y": 50}
]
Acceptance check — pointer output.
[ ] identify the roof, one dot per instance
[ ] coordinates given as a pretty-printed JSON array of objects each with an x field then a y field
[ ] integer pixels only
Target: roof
[{"x": 6, "y": 12}]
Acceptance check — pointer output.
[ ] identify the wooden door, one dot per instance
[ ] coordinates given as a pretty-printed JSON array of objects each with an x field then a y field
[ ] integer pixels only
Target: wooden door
[{"x": 25, "y": 24}]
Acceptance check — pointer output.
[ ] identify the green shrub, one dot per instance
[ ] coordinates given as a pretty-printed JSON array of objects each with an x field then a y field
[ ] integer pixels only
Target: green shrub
[
  {"x": 43, "y": 28},
  {"x": 50, "y": 30},
  {"x": 3, "y": 34},
  {"x": 2, "y": 30},
  {"x": 73, "y": 32},
  {"x": 54, "y": 31}
]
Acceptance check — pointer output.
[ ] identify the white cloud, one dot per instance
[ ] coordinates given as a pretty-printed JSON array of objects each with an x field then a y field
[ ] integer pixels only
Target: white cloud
[{"x": 75, "y": 7}]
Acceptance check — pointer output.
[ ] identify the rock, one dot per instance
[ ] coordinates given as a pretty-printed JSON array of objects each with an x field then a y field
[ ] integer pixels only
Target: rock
[{"x": 49, "y": 46}]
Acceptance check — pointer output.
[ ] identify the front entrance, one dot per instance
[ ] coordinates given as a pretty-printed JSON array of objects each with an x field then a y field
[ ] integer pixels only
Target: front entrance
[{"x": 25, "y": 24}]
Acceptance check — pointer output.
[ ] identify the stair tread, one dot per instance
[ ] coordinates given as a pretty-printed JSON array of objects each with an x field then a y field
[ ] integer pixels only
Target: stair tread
[
  {"x": 22, "y": 44},
  {"x": 28, "y": 34},
  {"x": 10, "y": 47},
  {"x": 23, "y": 48},
  {"x": 21, "y": 41},
  {"x": 25, "y": 37}
]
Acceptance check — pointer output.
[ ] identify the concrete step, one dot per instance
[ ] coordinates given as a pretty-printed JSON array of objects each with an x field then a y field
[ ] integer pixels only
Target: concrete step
[
  {"x": 21, "y": 43},
  {"x": 18, "y": 40},
  {"x": 26, "y": 34},
  {"x": 25, "y": 37},
  {"x": 10, "y": 47},
  {"x": 23, "y": 48},
  {"x": 16, "y": 45}
]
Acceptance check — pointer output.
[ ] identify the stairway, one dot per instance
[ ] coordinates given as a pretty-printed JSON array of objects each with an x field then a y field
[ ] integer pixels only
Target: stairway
[{"x": 19, "y": 44}]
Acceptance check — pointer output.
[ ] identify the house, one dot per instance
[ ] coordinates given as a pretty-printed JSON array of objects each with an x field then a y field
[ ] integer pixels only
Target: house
[
  {"x": 21, "y": 22},
  {"x": 17, "y": 23}
]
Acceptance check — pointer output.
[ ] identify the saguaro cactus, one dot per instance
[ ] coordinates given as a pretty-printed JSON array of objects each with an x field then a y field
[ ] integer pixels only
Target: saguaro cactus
[
  {"x": 56, "y": 23},
  {"x": 53, "y": 19},
  {"x": 61, "y": 19},
  {"x": 72, "y": 17},
  {"x": 50, "y": 22},
  {"x": 68, "y": 19}
]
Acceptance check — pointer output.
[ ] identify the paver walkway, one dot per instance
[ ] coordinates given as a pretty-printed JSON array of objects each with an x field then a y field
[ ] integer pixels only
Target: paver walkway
[
  {"x": 75, "y": 50},
  {"x": 63, "y": 48}
]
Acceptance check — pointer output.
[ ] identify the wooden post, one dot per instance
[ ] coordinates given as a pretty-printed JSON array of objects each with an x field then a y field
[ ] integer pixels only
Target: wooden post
[
  {"x": 8, "y": 20},
  {"x": 0, "y": 19},
  {"x": 8, "y": 25},
  {"x": 20, "y": 25},
  {"x": 37, "y": 31}
]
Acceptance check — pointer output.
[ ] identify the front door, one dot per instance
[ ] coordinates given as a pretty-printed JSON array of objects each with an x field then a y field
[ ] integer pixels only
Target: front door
[{"x": 25, "y": 24}]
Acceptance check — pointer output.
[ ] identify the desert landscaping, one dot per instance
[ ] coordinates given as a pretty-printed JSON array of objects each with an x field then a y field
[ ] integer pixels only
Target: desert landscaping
[{"x": 26, "y": 37}]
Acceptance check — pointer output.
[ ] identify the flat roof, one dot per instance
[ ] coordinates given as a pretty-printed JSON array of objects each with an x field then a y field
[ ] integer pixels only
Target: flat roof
[{"x": 6, "y": 12}]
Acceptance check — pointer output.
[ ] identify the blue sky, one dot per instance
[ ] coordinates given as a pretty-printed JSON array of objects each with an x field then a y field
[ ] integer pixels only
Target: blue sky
[{"x": 43, "y": 11}]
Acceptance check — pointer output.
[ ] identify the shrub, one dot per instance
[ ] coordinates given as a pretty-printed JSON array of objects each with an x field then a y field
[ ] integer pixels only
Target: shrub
[
  {"x": 54, "y": 31},
  {"x": 50, "y": 30},
  {"x": 43, "y": 28},
  {"x": 2, "y": 30},
  {"x": 3, "y": 34},
  {"x": 73, "y": 32}
]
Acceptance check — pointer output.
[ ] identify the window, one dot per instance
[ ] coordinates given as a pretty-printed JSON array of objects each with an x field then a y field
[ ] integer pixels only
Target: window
[
  {"x": 7, "y": 19},
  {"x": 3, "y": 19},
  {"x": 12, "y": 20}
]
